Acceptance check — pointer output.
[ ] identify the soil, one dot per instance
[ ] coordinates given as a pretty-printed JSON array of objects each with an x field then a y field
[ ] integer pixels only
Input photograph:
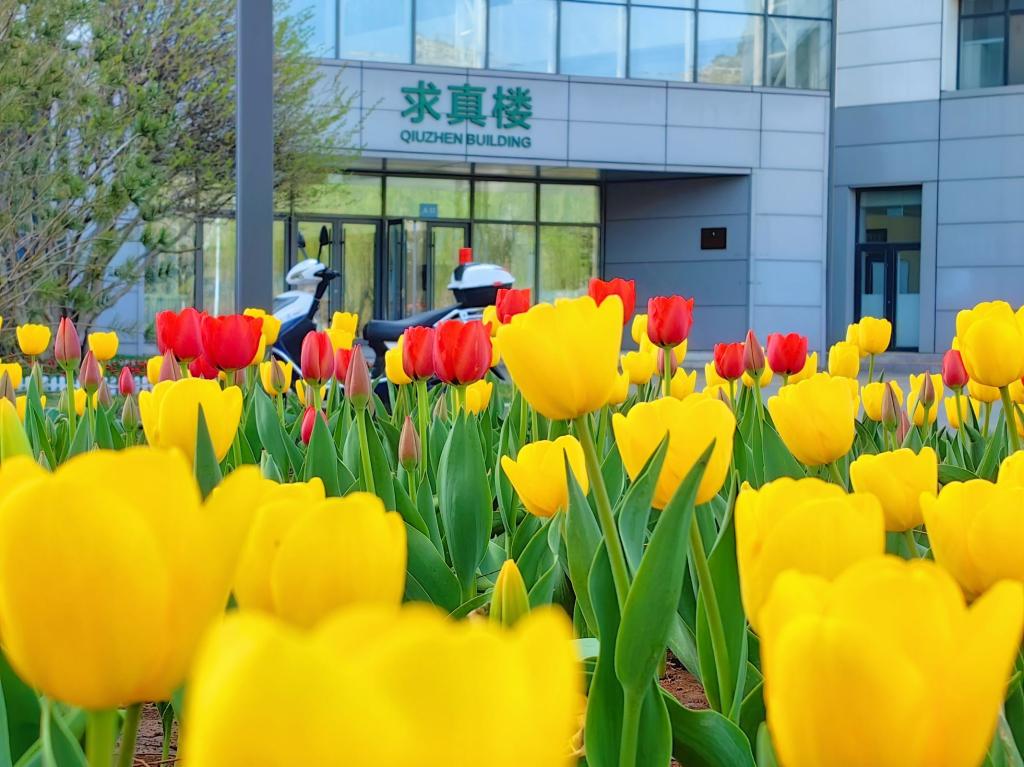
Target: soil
[
  {"x": 151, "y": 738},
  {"x": 683, "y": 686}
]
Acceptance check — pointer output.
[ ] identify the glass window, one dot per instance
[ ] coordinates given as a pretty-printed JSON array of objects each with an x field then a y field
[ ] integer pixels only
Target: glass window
[
  {"x": 484, "y": 169},
  {"x": 359, "y": 249},
  {"x": 170, "y": 277},
  {"x": 729, "y": 48},
  {"x": 509, "y": 245},
  {"x": 570, "y": 203},
  {"x": 748, "y": 6},
  {"x": 670, "y": 3},
  {"x": 318, "y": 24},
  {"x": 523, "y": 35},
  {"x": 280, "y": 255},
  {"x": 593, "y": 40},
  {"x": 661, "y": 44},
  {"x": 575, "y": 173},
  {"x": 406, "y": 196},
  {"x": 568, "y": 259},
  {"x": 374, "y": 31},
  {"x": 450, "y": 32},
  {"x": 982, "y": 42},
  {"x": 218, "y": 265},
  {"x": 969, "y": 7},
  {"x": 505, "y": 201},
  {"x": 343, "y": 195},
  {"x": 890, "y": 215},
  {"x": 1015, "y": 62},
  {"x": 819, "y": 9},
  {"x": 799, "y": 53}
]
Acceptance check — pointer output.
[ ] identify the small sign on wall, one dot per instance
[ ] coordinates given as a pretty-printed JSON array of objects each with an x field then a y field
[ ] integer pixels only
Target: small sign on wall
[
  {"x": 713, "y": 238},
  {"x": 428, "y": 210}
]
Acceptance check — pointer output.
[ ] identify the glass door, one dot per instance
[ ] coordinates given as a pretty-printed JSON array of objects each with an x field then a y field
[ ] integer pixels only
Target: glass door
[
  {"x": 889, "y": 285},
  {"x": 316, "y": 238},
  {"x": 445, "y": 242},
  {"x": 420, "y": 258},
  {"x": 358, "y": 268}
]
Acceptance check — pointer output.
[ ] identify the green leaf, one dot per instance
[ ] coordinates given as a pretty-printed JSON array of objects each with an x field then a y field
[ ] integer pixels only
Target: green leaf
[
  {"x": 706, "y": 738},
  {"x": 603, "y": 731},
  {"x": 654, "y": 595},
  {"x": 207, "y": 469},
  {"x": 428, "y": 570},
  {"x": 464, "y": 497},
  {"x": 537, "y": 557},
  {"x": 268, "y": 468},
  {"x": 428, "y": 513},
  {"x": 988, "y": 467},
  {"x": 405, "y": 506},
  {"x": 21, "y": 712},
  {"x": 104, "y": 432},
  {"x": 383, "y": 474},
  {"x": 582, "y": 538},
  {"x": 635, "y": 510},
  {"x": 949, "y": 473},
  {"x": 765, "y": 751},
  {"x": 268, "y": 427},
  {"x": 778, "y": 461},
  {"x": 82, "y": 441},
  {"x": 321, "y": 460}
]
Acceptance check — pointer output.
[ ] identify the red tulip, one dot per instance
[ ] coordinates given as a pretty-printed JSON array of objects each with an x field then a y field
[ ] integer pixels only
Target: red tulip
[
  {"x": 67, "y": 347},
  {"x": 462, "y": 351},
  {"x": 787, "y": 354},
  {"x": 418, "y": 352},
  {"x": 753, "y": 355},
  {"x": 624, "y": 289},
  {"x": 89, "y": 374},
  {"x": 954, "y": 374},
  {"x": 181, "y": 333},
  {"x": 317, "y": 360},
  {"x": 201, "y": 367},
  {"x": 669, "y": 319},
  {"x": 729, "y": 361},
  {"x": 357, "y": 379},
  {"x": 309, "y": 421},
  {"x": 126, "y": 382},
  {"x": 342, "y": 358},
  {"x": 230, "y": 342},
  {"x": 511, "y": 302}
]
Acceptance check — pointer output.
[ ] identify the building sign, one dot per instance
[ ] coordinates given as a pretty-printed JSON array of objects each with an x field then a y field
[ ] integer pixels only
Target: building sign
[
  {"x": 494, "y": 121},
  {"x": 428, "y": 210}
]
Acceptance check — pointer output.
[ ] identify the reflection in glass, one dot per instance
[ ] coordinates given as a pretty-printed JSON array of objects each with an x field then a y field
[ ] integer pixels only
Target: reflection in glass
[
  {"x": 1015, "y": 64},
  {"x": 908, "y": 299},
  {"x": 889, "y": 215},
  {"x": 819, "y": 9},
  {"x": 505, "y": 201},
  {"x": 981, "y": 51},
  {"x": 570, "y": 203},
  {"x": 981, "y": 6},
  {"x": 661, "y": 44},
  {"x": 593, "y": 40},
  {"x": 799, "y": 53},
  {"x": 170, "y": 277},
  {"x": 414, "y": 285},
  {"x": 218, "y": 265},
  {"x": 313, "y": 239},
  {"x": 445, "y": 243},
  {"x": 522, "y": 35},
  {"x": 568, "y": 259},
  {"x": 359, "y": 243},
  {"x": 318, "y": 24},
  {"x": 741, "y": 6},
  {"x": 407, "y": 196},
  {"x": 371, "y": 30},
  {"x": 279, "y": 255},
  {"x": 450, "y": 32},
  {"x": 729, "y": 49},
  {"x": 509, "y": 245},
  {"x": 344, "y": 195}
]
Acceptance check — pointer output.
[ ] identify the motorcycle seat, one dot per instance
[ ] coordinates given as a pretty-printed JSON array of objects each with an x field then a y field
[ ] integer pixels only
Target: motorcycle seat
[{"x": 378, "y": 331}]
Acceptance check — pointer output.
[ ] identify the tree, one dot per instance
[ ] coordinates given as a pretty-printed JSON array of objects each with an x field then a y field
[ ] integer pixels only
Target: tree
[{"x": 117, "y": 124}]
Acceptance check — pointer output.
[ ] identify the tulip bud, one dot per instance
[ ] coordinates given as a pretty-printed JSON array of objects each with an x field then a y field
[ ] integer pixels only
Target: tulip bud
[
  {"x": 753, "y": 355},
  {"x": 927, "y": 391},
  {"x": 723, "y": 396},
  {"x": 62, "y": 402},
  {"x": 441, "y": 408},
  {"x": 309, "y": 421},
  {"x": 409, "y": 445},
  {"x": 130, "y": 414},
  {"x": 954, "y": 374},
  {"x": 357, "y": 380},
  {"x": 317, "y": 359},
  {"x": 103, "y": 394},
  {"x": 126, "y": 382},
  {"x": 277, "y": 382},
  {"x": 170, "y": 370},
  {"x": 67, "y": 347},
  {"x": 890, "y": 407},
  {"x": 89, "y": 374},
  {"x": 510, "y": 601},
  {"x": 904, "y": 427},
  {"x": 7, "y": 388}
]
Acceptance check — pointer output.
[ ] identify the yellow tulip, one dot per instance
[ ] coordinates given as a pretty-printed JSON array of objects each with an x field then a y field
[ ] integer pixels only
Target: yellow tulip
[
  {"x": 711, "y": 377},
  {"x": 33, "y": 340},
  {"x": 806, "y": 525},
  {"x": 21, "y": 404},
  {"x": 538, "y": 474},
  {"x": 953, "y": 413},
  {"x": 117, "y": 550},
  {"x": 975, "y": 532},
  {"x": 897, "y": 479},
  {"x": 620, "y": 391},
  {"x": 261, "y": 352},
  {"x": 80, "y": 400},
  {"x": 13, "y": 371},
  {"x": 345, "y": 321},
  {"x": 1017, "y": 391},
  {"x": 691, "y": 424},
  {"x": 991, "y": 339},
  {"x": 13, "y": 440},
  {"x": 683, "y": 383},
  {"x": 170, "y": 414},
  {"x": 717, "y": 391},
  {"x": 766, "y": 378},
  {"x": 478, "y": 396},
  {"x": 873, "y": 394},
  {"x": 844, "y": 360},
  {"x": 490, "y": 319},
  {"x": 809, "y": 369},
  {"x": 495, "y": 353},
  {"x": 873, "y": 335},
  {"x": 103, "y": 345},
  {"x": 1011, "y": 470},
  {"x": 815, "y": 418},
  {"x": 374, "y": 686},
  {"x": 574, "y": 342},
  {"x": 886, "y": 666},
  {"x": 303, "y": 559},
  {"x": 153, "y": 365},
  {"x": 393, "y": 367},
  {"x": 853, "y": 337},
  {"x": 340, "y": 338},
  {"x": 304, "y": 393},
  {"x": 915, "y": 408},
  {"x": 639, "y": 366},
  {"x": 638, "y": 330},
  {"x": 982, "y": 393},
  {"x": 510, "y": 600},
  {"x": 271, "y": 327},
  {"x": 267, "y": 377},
  {"x": 648, "y": 347}
]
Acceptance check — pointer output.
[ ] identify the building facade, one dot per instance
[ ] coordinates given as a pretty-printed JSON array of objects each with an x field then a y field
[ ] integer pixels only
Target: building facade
[{"x": 789, "y": 163}]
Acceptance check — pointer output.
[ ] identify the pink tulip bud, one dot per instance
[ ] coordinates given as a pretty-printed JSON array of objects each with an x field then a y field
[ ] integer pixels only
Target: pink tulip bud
[
  {"x": 904, "y": 427},
  {"x": 441, "y": 408},
  {"x": 357, "y": 380},
  {"x": 890, "y": 408},
  {"x": 67, "y": 347},
  {"x": 277, "y": 382},
  {"x": 170, "y": 370},
  {"x": 927, "y": 391},
  {"x": 126, "y": 382},
  {"x": 103, "y": 394},
  {"x": 309, "y": 421},
  {"x": 7, "y": 388},
  {"x": 753, "y": 355},
  {"x": 408, "y": 445},
  {"x": 130, "y": 413},
  {"x": 89, "y": 374}
]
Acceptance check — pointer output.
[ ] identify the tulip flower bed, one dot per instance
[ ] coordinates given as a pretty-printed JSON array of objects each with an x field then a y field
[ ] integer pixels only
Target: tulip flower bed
[{"x": 471, "y": 573}]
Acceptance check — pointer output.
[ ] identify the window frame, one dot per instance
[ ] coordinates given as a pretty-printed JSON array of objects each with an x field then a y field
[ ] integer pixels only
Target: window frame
[{"x": 1006, "y": 14}]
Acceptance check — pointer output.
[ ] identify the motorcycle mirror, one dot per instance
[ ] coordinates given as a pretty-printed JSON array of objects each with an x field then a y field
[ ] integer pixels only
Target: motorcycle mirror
[
  {"x": 325, "y": 236},
  {"x": 301, "y": 241}
]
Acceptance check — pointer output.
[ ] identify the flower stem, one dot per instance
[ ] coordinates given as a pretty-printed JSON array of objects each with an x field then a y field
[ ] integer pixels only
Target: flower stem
[
  {"x": 70, "y": 383},
  {"x": 837, "y": 476},
  {"x": 871, "y": 367},
  {"x": 364, "y": 452},
  {"x": 422, "y": 404},
  {"x": 1010, "y": 416},
  {"x": 605, "y": 516},
  {"x": 100, "y": 733},
  {"x": 666, "y": 366},
  {"x": 908, "y": 538},
  {"x": 129, "y": 734},
  {"x": 715, "y": 626},
  {"x": 632, "y": 706}
]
